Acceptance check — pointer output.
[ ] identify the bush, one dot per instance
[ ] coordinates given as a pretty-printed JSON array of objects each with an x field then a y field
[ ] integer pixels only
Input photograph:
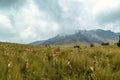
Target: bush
[
  {"x": 105, "y": 44},
  {"x": 91, "y": 45},
  {"x": 118, "y": 43}
]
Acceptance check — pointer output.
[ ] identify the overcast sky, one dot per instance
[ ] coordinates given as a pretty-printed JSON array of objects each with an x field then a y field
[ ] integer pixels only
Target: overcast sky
[{"x": 25, "y": 21}]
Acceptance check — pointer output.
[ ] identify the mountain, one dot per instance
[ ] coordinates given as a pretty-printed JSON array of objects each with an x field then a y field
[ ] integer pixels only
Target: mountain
[
  {"x": 89, "y": 36},
  {"x": 118, "y": 33},
  {"x": 36, "y": 42}
]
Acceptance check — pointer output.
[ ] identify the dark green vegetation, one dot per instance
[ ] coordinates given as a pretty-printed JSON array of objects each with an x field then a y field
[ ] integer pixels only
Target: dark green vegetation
[
  {"x": 118, "y": 43},
  {"x": 24, "y": 62}
]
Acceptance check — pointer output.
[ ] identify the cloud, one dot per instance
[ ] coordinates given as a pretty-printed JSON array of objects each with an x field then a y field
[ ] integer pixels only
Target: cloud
[
  {"x": 28, "y": 34},
  {"x": 71, "y": 10},
  {"x": 5, "y": 25},
  {"x": 42, "y": 19},
  {"x": 63, "y": 12},
  {"x": 7, "y": 4},
  {"x": 109, "y": 16},
  {"x": 51, "y": 7},
  {"x": 31, "y": 24},
  {"x": 105, "y": 11},
  {"x": 24, "y": 21},
  {"x": 6, "y": 30}
]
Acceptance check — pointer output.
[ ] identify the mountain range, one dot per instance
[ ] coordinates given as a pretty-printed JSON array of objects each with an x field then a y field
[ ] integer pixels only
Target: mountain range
[{"x": 89, "y": 36}]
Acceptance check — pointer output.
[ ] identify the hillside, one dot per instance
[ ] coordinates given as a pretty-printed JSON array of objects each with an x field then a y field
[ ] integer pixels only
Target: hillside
[
  {"x": 89, "y": 36},
  {"x": 25, "y": 62}
]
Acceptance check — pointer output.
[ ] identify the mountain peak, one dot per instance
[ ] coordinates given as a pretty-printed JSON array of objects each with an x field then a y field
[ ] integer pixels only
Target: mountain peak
[{"x": 89, "y": 36}]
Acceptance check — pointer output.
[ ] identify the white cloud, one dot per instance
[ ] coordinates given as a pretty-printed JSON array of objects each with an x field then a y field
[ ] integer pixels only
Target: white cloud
[
  {"x": 28, "y": 34},
  {"x": 34, "y": 24},
  {"x": 42, "y": 19},
  {"x": 6, "y": 26},
  {"x": 55, "y": 27},
  {"x": 103, "y": 5},
  {"x": 4, "y": 21}
]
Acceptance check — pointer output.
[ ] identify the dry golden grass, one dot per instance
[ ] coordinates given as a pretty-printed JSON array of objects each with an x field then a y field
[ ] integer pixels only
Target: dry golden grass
[{"x": 25, "y": 62}]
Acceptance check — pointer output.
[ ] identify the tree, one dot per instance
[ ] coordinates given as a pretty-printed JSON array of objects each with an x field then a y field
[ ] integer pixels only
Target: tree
[
  {"x": 91, "y": 45},
  {"x": 118, "y": 43}
]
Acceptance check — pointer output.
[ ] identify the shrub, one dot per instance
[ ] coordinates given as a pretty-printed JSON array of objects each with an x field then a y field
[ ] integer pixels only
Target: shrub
[
  {"x": 118, "y": 43},
  {"x": 105, "y": 44},
  {"x": 91, "y": 45}
]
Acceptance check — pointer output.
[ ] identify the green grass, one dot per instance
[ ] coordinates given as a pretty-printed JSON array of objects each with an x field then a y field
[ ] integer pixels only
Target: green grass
[{"x": 25, "y": 62}]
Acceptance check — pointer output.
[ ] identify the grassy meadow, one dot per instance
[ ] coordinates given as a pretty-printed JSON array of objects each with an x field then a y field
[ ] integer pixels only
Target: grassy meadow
[{"x": 25, "y": 62}]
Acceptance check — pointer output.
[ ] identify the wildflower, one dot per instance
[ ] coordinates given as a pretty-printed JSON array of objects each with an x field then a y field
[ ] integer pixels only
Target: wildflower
[
  {"x": 9, "y": 65},
  {"x": 91, "y": 68},
  {"x": 69, "y": 66},
  {"x": 26, "y": 64}
]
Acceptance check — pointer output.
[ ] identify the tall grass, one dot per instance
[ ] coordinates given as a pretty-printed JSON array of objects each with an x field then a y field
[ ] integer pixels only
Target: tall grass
[{"x": 25, "y": 62}]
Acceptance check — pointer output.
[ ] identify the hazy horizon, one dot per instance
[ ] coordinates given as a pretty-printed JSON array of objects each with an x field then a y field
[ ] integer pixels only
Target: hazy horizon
[{"x": 24, "y": 21}]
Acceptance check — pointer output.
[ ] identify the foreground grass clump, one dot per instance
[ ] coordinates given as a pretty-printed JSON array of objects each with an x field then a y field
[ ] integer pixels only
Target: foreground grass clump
[{"x": 24, "y": 62}]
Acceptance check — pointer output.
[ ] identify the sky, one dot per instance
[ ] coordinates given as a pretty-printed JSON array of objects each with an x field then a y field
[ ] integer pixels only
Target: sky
[{"x": 25, "y": 21}]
